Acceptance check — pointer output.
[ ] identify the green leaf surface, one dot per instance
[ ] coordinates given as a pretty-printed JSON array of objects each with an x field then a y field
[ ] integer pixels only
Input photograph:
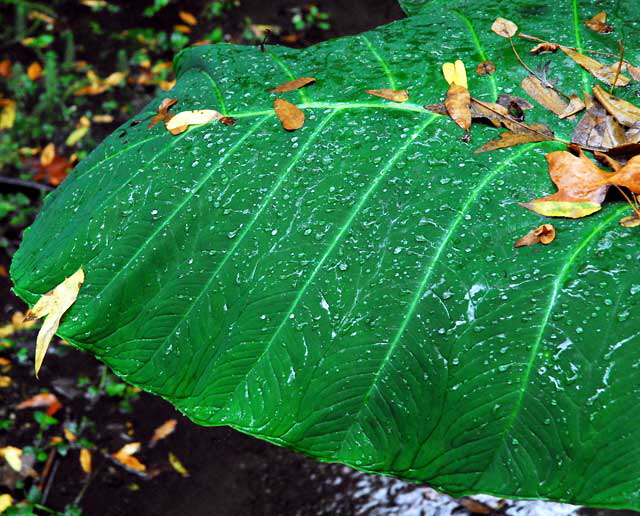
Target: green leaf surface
[{"x": 350, "y": 290}]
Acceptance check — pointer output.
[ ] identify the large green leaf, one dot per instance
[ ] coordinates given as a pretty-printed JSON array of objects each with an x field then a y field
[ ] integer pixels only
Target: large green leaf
[{"x": 350, "y": 290}]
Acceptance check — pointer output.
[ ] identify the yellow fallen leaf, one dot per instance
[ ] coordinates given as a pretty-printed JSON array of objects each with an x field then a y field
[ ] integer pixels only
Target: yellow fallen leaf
[
  {"x": 69, "y": 435},
  {"x": 177, "y": 465},
  {"x": 5, "y": 381},
  {"x": 34, "y": 71},
  {"x": 6, "y": 501},
  {"x": 8, "y": 113},
  {"x": 53, "y": 305},
  {"x": 85, "y": 460},
  {"x": 188, "y": 18},
  {"x": 47, "y": 155},
  {"x": 76, "y": 135},
  {"x": 13, "y": 456},
  {"x": 389, "y": 94},
  {"x": 455, "y": 73},
  {"x": 181, "y": 122},
  {"x": 163, "y": 431}
]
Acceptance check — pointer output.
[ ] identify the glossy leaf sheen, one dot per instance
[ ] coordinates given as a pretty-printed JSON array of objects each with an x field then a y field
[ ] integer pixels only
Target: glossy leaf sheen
[{"x": 351, "y": 290}]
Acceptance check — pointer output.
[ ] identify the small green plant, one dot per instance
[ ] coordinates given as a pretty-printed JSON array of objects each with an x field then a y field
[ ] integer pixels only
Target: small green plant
[{"x": 309, "y": 17}]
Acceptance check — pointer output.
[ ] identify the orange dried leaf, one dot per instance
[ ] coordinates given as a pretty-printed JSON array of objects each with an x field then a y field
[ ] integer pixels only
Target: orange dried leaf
[
  {"x": 5, "y": 381},
  {"x": 44, "y": 399},
  {"x": 581, "y": 185},
  {"x": 546, "y": 97},
  {"x": 389, "y": 94},
  {"x": 504, "y": 28},
  {"x": 188, "y": 18},
  {"x": 510, "y": 138},
  {"x": 485, "y": 68},
  {"x": 628, "y": 176},
  {"x": 290, "y": 116},
  {"x": 575, "y": 106},
  {"x": 34, "y": 71},
  {"x": 163, "y": 109},
  {"x": 631, "y": 221},
  {"x": 69, "y": 435},
  {"x": 599, "y": 23},
  {"x": 85, "y": 460},
  {"x": 185, "y": 29},
  {"x": 125, "y": 456},
  {"x": 164, "y": 430},
  {"x": 5, "y": 68},
  {"x": 624, "y": 112},
  {"x": 458, "y": 104},
  {"x": 602, "y": 72},
  {"x": 545, "y": 47},
  {"x": 544, "y": 234},
  {"x": 293, "y": 85}
]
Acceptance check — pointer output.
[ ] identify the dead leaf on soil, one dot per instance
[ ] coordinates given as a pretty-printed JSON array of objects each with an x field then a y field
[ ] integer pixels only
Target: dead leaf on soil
[
  {"x": 164, "y": 430},
  {"x": 485, "y": 68},
  {"x": 546, "y": 97},
  {"x": 290, "y": 116},
  {"x": 581, "y": 187},
  {"x": 85, "y": 460},
  {"x": 389, "y": 94},
  {"x": 293, "y": 85},
  {"x": 13, "y": 456},
  {"x": 188, "y": 18},
  {"x": 544, "y": 234},
  {"x": 6, "y": 501},
  {"x": 125, "y": 456},
  {"x": 599, "y": 23},
  {"x": 98, "y": 85},
  {"x": 504, "y": 28},
  {"x": 182, "y": 121},
  {"x": 46, "y": 400},
  {"x": 34, "y": 71},
  {"x": 53, "y": 305},
  {"x": 177, "y": 465},
  {"x": 602, "y": 72},
  {"x": 5, "y": 68},
  {"x": 8, "y": 113}
]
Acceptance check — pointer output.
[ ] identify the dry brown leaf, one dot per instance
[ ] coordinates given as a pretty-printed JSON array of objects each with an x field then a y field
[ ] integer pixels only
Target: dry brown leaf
[
  {"x": 544, "y": 234},
  {"x": 599, "y": 23},
  {"x": 188, "y": 18},
  {"x": 458, "y": 104},
  {"x": 509, "y": 138},
  {"x": 631, "y": 221},
  {"x": 53, "y": 305},
  {"x": 504, "y": 28},
  {"x": 602, "y": 72},
  {"x": 182, "y": 121},
  {"x": 546, "y": 97},
  {"x": 85, "y": 460},
  {"x": 624, "y": 112},
  {"x": 125, "y": 456},
  {"x": 290, "y": 116},
  {"x": 575, "y": 106},
  {"x": 47, "y": 154},
  {"x": 508, "y": 100},
  {"x": 582, "y": 187},
  {"x": 389, "y": 94},
  {"x": 485, "y": 68},
  {"x": 634, "y": 72},
  {"x": 628, "y": 176},
  {"x": 475, "y": 506},
  {"x": 177, "y": 465},
  {"x": 598, "y": 130},
  {"x": 162, "y": 114},
  {"x": 293, "y": 85},
  {"x": 228, "y": 121},
  {"x": 543, "y": 48},
  {"x": 34, "y": 71},
  {"x": 98, "y": 85},
  {"x": 164, "y": 430}
]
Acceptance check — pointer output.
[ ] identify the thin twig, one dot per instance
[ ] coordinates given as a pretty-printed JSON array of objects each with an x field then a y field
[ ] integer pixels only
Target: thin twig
[
  {"x": 584, "y": 50},
  {"x": 631, "y": 203},
  {"x": 615, "y": 79},
  {"x": 25, "y": 184}
]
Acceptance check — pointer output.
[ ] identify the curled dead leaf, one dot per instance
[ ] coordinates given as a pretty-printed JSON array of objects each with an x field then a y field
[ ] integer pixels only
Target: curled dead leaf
[
  {"x": 599, "y": 23},
  {"x": 293, "y": 85},
  {"x": 125, "y": 456},
  {"x": 290, "y": 116},
  {"x": 46, "y": 400},
  {"x": 545, "y": 96},
  {"x": 162, "y": 114},
  {"x": 575, "y": 106},
  {"x": 543, "y": 48},
  {"x": 53, "y": 305},
  {"x": 544, "y": 234},
  {"x": 504, "y": 28},
  {"x": 624, "y": 112},
  {"x": 389, "y": 94}
]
